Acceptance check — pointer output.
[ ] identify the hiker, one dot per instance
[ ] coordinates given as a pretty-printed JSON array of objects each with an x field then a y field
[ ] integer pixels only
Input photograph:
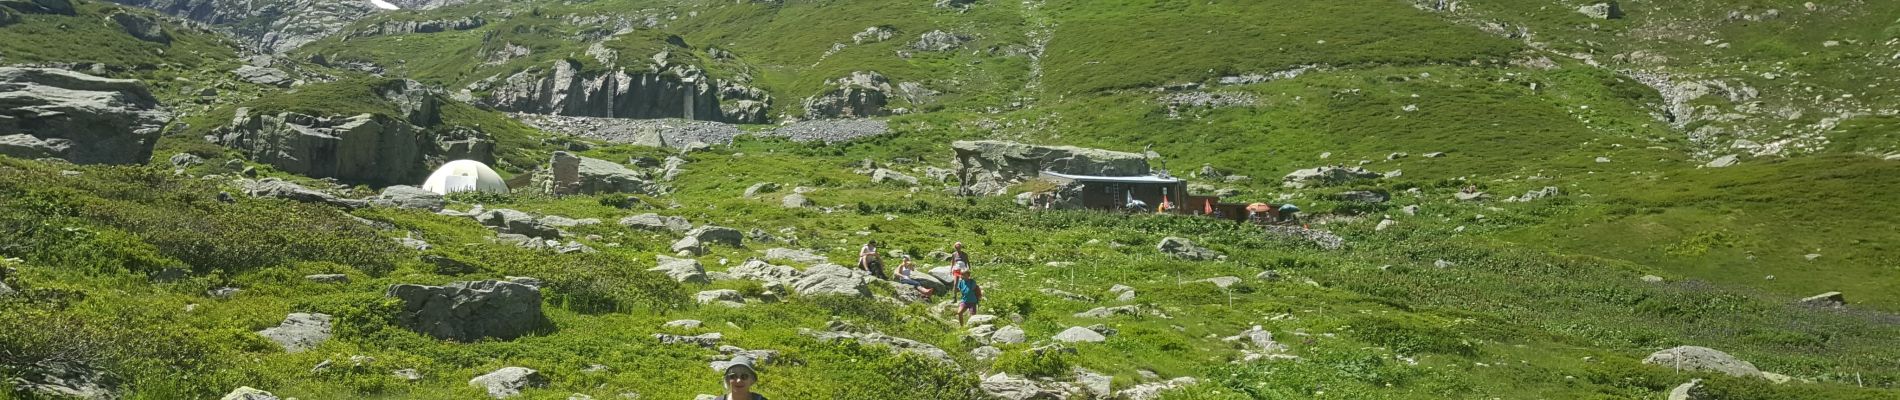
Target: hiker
[
  {"x": 868, "y": 260},
  {"x": 904, "y": 273},
  {"x": 959, "y": 260},
  {"x": 740, "y": 376},
  {"x": 969, "y": 294}
]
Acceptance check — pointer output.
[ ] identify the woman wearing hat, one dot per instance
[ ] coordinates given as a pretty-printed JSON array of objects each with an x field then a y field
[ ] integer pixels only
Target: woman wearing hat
[{"x": 740, "y": 376}]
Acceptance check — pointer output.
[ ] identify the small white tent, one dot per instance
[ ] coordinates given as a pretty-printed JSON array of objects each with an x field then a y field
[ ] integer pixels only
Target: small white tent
[{"x": 465, "y": 175}]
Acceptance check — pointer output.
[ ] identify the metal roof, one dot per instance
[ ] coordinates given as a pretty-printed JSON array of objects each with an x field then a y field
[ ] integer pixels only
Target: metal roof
[{"x": 1120, "y": 179}]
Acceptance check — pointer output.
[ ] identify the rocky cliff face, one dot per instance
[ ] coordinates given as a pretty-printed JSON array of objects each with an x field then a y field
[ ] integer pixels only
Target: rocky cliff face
[
  {"x": 988, "y": 167},
  {"x": 365, "y": 148},
  {"x": 77, "y": 117},
  {"x": 271, "y": 25},
  {"x": 676, "y": 91},
  {"x": 429, "y": 26}
]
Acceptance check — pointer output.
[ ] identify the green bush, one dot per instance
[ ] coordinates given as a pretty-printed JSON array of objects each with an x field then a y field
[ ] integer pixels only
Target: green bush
[
  {"x": 1411, "y": 335},
  {"x": 1053, "y": 363}
]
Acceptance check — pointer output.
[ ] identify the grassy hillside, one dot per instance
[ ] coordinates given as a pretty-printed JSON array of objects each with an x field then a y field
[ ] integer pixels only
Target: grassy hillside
[{"x": 1456, "y": 299}]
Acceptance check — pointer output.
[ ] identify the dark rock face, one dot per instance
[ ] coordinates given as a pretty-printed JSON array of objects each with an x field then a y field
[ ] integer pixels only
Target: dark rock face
[
  {"x": 77, "y": 117},
  {"x": 470, "y": 311},
  {"x": 61, "y": 7},
  {"x": 677, "y": 91},
  {"x": 366, "y": 148}
]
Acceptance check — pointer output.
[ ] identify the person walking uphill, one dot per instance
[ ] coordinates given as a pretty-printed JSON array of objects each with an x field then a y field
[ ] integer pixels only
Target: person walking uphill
[
  {"x": 869, "y": 261},
  {"x": 969, "y": 294},
  {"x": 740, "y": 377}
]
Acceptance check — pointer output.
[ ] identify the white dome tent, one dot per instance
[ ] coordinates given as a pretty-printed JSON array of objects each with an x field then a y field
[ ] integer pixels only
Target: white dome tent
[{"x": 465, "y": 175}]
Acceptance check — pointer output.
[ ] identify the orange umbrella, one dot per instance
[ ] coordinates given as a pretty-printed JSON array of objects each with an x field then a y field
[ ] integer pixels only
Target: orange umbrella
[{"x": 1259, "y": 207}]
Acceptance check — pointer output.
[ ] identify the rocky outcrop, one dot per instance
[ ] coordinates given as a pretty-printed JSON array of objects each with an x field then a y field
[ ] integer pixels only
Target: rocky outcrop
[
  {"x": 280, "y": 189},
  {"x": 407, "y": 27},
  {"x": 80, "y": 118},
  {"x": 659, "y": 91},
  {"x": 403, "y": 196},
  {"x": 1697, "y": 358},
  {"x": 470, "y": 311},
  {"x": 838, "y": 330},
  {"x": 1185, "y": 249},
  {"x": 140, "y": 26},
  {"x": 64, "y": 380},
  {"x": 572, "y": 174},
  {"x": 656, "y": 223},
  {"x": 1319, "y": 176},
  {"x": 263, "y": 76},
  {"x": 299, "y": 331},
  {"x": 865, "y": 94},
  {"x": 365, "y": 148},
  {"x": 516, "y": 222},
  {"x": 832, "y": 279},
  {"x": 683, "y": 270},
  {"x": 988, "y": 167},
  {"x": 275, "y": 26},
  {"x": 939, "y": 40},
  {"x": 508, "y": 382},
  {"x": 249, "y": 393},
  {"x": 373, "y": 149}
]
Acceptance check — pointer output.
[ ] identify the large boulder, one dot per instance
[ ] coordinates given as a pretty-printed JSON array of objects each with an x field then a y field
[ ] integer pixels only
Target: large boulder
[
  {"x": 861, "y": 94},
  {"x": 1697, "y": 358},
  {"x": 1079, "y": 334},
  {"x": 376, "y": 149},
  {"x": 717, "y": 234},
  {"x": 470, "y": 311},
  {"x": 300, "y": 331},
  {"x": 280, "y": 189},
  {"x": 764, "y": 273},
  {"x": 798, "y": 256},
  {"x": 516, "y": 222},
  {"x": 656, "y": 223},
  {"x": 1152, "y": 390},
  {"x": 573, "y": 174},
  {"x": 80, "y": 118},
  {"x": 1322, "y": 176},
  {"x": 1185, "y": 249},
  {"x": 988, "y": 167},
  {"x": 795, "y": 200},
  {"x": 832, "y": 279},
  {"x": 1829, "y": 299},
  {"x": 508, "y": 382},
  {"x": 884, "y": 175},
  {"x": 403, "y": 196},
  {"x": 843, "y": 331},
  {"x": 1003, "y": 386},
  {"x": 364, "y": 148},
  {"x": 64, "y": 380},
  {"x": 140, "y": 26},
  {"x": 684, "y": 270},
  {"x": 248, "y": 393},
  {"x": 263, "y": 75},
  {"x": 939, "y": 40}
]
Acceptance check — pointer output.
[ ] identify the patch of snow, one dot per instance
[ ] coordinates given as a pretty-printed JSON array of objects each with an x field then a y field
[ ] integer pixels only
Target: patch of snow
[{"x": 384, "y": 5}]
